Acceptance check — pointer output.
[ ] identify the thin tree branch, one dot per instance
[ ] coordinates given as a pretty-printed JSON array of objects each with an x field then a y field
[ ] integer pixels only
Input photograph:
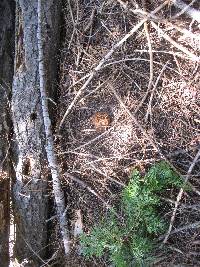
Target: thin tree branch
[
  {"x": 52, "y": 162},
  {"x": 190, "y": 11},
  {"x": 174, "y": 43},
  {"x": 150, "y": 60},
  {"x": 144, "y": 13},
  {"x": 153, "y": 90},
  {"x": 180, "y": 194},
  {"x": 183, "y": 228}
]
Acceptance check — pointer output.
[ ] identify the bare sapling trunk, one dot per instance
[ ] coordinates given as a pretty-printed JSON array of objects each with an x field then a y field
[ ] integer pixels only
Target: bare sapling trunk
[{"x": 52, "y": 162}]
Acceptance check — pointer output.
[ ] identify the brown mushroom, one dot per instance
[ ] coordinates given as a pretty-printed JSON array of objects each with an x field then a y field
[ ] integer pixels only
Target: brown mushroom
[{"x": 101, "y": 121}]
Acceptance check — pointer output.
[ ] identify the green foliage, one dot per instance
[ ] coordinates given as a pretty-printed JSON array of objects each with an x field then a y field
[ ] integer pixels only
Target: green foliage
[{"x": 130, "y": 241}]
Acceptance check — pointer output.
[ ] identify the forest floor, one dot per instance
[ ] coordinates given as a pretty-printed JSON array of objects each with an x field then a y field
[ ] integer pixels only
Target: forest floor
[{"x": 141, "y": 106}]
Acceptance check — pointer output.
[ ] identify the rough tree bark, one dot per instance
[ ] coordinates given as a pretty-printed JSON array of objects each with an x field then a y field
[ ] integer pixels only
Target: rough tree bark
[
  {"x": 6, "y": 72},
  {"x": 30, "y": 187}
]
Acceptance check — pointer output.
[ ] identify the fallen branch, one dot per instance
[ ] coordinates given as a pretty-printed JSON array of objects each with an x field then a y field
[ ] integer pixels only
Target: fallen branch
[
  {"x": 174, "y": 43},
  {"x": 99, "y": 67},
  {"x": 150, "y": 84},
  {"x": 151, "y": 17},
  {"x": 190, "y": 11},
  {"x": 180, "y": 196},
  {"x": 183, "y": 228},
  {"x": 57, "y": 190},
  {"x": 142, "y": 12}
]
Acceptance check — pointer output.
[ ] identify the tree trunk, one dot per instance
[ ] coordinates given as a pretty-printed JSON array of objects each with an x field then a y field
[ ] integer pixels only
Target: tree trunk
[
  {"x": 30, "y": 187},
  {"x": 6, "y": 72}
]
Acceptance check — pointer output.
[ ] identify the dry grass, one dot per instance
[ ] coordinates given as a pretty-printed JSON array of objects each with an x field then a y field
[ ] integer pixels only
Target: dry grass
[{"x": 167, "y": 110}]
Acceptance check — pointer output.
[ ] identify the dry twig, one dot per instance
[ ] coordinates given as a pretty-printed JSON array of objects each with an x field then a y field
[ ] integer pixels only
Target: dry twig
[
  {"x": 51, "y": 157},
  {"x": 174, "y": 43},
  {"x": 153, "y": 90},
  {"x": 183, "y": 228},
  {"x": 144, "y": 13},
  {"x": 150, "y": 65},
  {"x": 180, "y": 196},
  {"x": 190, "y": 11}
]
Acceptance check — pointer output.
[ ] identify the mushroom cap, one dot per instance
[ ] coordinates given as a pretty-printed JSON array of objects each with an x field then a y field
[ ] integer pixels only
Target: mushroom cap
[{"x": 101, "y": 120}]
